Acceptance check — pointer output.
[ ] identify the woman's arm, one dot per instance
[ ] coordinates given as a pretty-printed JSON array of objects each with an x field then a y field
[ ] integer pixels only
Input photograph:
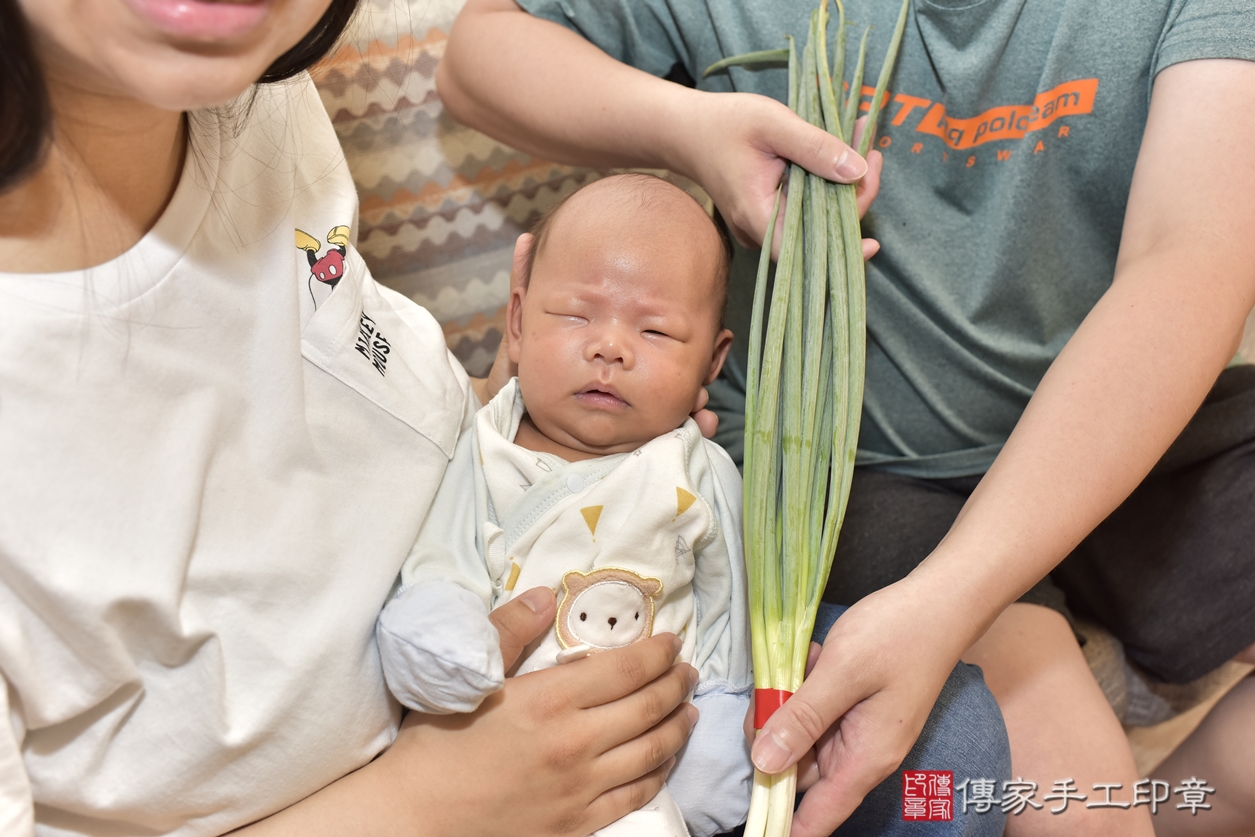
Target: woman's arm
[
  {"x": 561, "y": 751},
  {"x": 1113, "y": 401},
  {"x": 549, "y": 92}
]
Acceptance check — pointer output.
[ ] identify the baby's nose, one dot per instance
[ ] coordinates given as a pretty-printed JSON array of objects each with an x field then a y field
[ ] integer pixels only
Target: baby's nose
[
  {"x": 612, "y": 344},
  {"x": 612, "y": 622}
]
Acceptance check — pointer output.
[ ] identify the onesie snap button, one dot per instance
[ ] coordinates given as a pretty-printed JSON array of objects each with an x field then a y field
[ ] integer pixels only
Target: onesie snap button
[{"x": 575, "y": 483}]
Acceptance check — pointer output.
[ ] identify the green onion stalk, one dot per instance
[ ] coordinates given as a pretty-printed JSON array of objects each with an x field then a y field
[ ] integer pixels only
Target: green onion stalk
[{"x": 804, "y": 387}]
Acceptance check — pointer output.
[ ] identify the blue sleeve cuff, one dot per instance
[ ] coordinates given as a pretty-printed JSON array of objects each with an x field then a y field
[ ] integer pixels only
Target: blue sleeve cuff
[
  {"x": 713, "y": 775},
  {"x": 440, "y": 652}
]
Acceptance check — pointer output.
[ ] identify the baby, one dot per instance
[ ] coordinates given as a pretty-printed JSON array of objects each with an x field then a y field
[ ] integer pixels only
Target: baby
[{"x": 586, "y": 475}]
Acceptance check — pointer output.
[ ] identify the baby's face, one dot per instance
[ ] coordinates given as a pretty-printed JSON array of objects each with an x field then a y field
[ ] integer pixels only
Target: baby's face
[{"x": 619, "y": 329}]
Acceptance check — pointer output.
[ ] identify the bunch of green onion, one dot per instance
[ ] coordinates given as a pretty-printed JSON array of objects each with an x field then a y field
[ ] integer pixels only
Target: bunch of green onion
[{"x": 804, "y": 389}]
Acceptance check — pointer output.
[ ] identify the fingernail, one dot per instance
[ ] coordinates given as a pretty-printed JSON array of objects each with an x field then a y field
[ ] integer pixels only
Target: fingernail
[
  {"x": 533, "y": 600},
  {"x": 676, "y": 644},
  {"x": 692, "y": 677},
  {"x": 850, "y": 166},
  {"x": 691, "y": 712},
  {"x": 770, "y": 755}
]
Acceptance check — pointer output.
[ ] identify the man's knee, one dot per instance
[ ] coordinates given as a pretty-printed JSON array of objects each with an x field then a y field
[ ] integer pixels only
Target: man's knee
[{"x": 967, "y": 734}]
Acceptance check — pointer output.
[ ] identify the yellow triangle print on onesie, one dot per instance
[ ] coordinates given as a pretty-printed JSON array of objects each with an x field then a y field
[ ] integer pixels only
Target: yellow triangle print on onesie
[
  {"x": 683, "y": 500},
  {"x": 591, "y": 515}
]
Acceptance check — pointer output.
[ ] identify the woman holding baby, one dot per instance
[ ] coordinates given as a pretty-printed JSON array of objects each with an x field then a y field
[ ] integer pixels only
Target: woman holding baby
[
  {"x": 209, "y": 487},
  {"x": 216, "y": 460}
]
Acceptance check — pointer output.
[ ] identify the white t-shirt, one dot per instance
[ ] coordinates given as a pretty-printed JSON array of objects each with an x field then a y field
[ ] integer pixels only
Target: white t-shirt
[{"x": 214, "y": 465}]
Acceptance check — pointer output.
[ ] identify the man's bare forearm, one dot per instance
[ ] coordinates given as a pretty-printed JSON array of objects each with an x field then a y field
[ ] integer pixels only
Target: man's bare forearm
[{"x": 549, "y": 92}]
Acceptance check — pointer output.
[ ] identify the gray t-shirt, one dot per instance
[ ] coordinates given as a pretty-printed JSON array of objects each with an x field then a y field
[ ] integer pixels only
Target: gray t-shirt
[{"x": 1009, "y": 141}]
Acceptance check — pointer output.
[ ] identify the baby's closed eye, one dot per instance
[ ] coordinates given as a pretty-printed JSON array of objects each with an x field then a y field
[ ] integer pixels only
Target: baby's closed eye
[{"x": 570, "y": 317}]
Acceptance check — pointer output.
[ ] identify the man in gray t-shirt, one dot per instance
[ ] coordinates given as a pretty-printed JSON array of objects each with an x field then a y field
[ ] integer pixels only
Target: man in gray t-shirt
[
  {"x": 1009, "y": 137},
  {"x": 1065, "y": 217}
]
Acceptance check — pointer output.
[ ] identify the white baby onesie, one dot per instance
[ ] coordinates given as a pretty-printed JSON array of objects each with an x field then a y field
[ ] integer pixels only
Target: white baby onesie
[{"x": 634, "y": 544}]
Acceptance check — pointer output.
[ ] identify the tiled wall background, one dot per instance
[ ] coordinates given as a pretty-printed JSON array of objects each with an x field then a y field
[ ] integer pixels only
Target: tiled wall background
[{"x": 441, "y": 204}]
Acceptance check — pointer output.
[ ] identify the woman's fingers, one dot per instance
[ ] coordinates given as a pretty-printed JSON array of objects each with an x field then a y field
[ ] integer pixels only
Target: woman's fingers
[
  {"x": 610, "y": 675},
  {"x": 503, "y": 369},
  {"x": 647, "y": 752},
  {"x": 521, "y": 620},
  {"x": 644, "y": 709},
  {"x": 619, "y": 801}
]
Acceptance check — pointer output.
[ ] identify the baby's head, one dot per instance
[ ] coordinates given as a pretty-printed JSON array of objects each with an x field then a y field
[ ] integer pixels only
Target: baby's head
[{"x": 617, "y": 320}]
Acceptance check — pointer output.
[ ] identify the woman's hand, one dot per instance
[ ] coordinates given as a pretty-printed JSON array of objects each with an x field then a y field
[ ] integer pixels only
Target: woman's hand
[
  {"x": 861, "y": 708},
  {"x": 738, "y": 145},
  {"x": 561, "y": 751}
]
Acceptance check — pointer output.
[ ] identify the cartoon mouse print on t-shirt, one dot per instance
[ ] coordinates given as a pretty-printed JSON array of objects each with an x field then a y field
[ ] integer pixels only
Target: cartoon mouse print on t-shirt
[{"x": 328, "y": 269}]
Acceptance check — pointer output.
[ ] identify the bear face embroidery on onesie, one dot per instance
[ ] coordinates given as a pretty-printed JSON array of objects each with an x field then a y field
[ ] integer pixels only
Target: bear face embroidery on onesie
[{"x": 605, "y": 608}]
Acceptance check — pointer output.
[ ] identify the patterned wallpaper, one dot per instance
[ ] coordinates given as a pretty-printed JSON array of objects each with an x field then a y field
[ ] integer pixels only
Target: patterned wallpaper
[{"x": 441, "y": 204}]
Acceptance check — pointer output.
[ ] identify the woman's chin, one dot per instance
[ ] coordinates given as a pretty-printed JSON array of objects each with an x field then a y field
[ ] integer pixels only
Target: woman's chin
[
  {"x": 199, "y": 89},
  {"x": 184, "y": 81}
]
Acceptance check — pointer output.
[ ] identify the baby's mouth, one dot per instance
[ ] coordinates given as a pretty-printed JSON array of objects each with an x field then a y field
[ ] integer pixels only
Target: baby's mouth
[{"x": 601, "y": 395}]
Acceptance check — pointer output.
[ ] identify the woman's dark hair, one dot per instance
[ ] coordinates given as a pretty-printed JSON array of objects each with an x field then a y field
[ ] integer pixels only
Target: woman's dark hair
[
  {"x": 316, "y": 44},
  {"x": 26, "y": 114}
]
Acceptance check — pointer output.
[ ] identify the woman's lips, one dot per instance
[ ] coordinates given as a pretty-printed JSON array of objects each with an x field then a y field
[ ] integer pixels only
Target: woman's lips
[{"x": 202, "y": 20}]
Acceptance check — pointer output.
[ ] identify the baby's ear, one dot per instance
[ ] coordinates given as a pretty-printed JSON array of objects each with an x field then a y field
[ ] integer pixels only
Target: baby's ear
[
  {"x": 518, "y": 267},
  {"x": 519, "y": 281},
  {"x": 723, "y": 342}
]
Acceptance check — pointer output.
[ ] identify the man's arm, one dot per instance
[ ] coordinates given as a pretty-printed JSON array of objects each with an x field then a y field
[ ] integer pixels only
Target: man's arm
[
  {"x": 549, "y": 92},
  {"x": 1113, "y": 401}
]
